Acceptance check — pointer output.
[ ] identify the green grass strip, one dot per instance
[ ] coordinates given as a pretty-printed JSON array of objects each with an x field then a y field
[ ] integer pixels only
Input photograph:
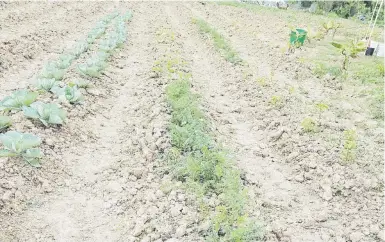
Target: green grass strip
[
  {"x": 220, "y": 43},
  {"x": 198, "y": 161}
]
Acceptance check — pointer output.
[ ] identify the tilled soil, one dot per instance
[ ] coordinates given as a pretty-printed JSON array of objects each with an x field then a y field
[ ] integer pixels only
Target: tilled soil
[{"x": 103, "y": 178}]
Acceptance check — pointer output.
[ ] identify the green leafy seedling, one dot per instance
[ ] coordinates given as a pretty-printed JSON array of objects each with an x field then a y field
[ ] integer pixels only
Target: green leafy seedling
[
  {"x": 73, "y": 95},
  {"x": 308, "y": 125},
  {"x": 47, "y": 113},
  {"x": 52, "y": 71},
  {"x": 17, "y": 100},
  {"x": 45, "y": 84},
  {"x": 65, "y": 61},
  {"x": 80, "y": 83},
  {"x": 349, "y": 50},
  {"x": 21, "y": 145},
  {"x": 5, "y": 122}
]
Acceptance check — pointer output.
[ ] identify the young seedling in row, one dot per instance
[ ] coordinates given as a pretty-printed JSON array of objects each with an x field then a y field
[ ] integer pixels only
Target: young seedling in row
[
  {"x": 17, "y": 100},
  {"x": 47, "y": 113},
  {"x": 276, "y": 101},
  {"x": 5, "y": 122},
  {"x": 349, "y": 50},
  {"x": 94, "y": 66},
  {"x": 80, "y": 83},
  {"x": 350, "y": 145},
  {"x": 65, "y": 61},
  {"x": 309, "y": 125},
  {"x": 70, "y": 93},
  {"x": 79, "y": 48},
  {"x": 51, "y": 71},
  {"x": 21, "y": 145},
  {"x": 331, "y": 26},
  {"x": 45, "y": 84}
]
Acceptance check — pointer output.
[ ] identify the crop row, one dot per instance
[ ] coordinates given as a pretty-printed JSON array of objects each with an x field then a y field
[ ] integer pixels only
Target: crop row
[{"x": 50, "y": 80}]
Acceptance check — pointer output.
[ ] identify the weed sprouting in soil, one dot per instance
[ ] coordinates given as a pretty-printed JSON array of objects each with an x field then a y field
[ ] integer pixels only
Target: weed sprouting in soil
[
  {"x": 220, "y": 43},
  {"x": 197, "y": 160},
  {"x": 350, "y": 145},
  {"x": 309, "y": 125}
]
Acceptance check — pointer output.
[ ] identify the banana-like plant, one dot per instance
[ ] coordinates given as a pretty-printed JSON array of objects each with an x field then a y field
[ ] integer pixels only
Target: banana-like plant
[
  {"x": 17, "y": 100},
  {"x": 52, "y": 71},
  {"x": 5, "y": 122},
  {"x": 349, "y": 50},
  {"x": 46, "y": 84},
  {"x": 21, "y": 145},
  {"x": 47, "y": 113}
]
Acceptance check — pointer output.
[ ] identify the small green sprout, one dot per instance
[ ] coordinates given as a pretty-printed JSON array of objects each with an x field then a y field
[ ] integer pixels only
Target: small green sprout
[
  {"x": 276, "y": 101},
  {"x": 45, "y": 84},
  {"x": 322, "y": 107},
  {"x": 309, "y": 125},
  {"x": 52, "y": 71},
  {"x": 350, "y": 145}
]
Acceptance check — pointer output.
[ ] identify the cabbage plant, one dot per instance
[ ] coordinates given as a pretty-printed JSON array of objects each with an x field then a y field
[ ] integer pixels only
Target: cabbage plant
[
  {"x": 47, "y": 113},
  {"x": 46, "y": 84},
  {"x": 70, "y": 93},
  {"x": 5, "y": 122},
  {"x": 65, "y": 61},
  {"x": 51, "y": 70},
  {"x": 79, "y": 48},
  {"x": 17, "y": 100},
  {"x": 73, "y": 95},
  {"x": 80, "y": 83},
  {"x": 21, "y": 145},
  {"x": 94, "y": 65}
]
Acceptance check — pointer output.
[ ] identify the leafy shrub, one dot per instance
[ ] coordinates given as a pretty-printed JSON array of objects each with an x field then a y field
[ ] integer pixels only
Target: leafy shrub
[
  {"x": 349, "y": 50},
  {"x": 21, "y": 145},
  {"x": 5, "y": 122},
  {"x": 47, "y": 113},
  {"x": 17, "y": 100}
]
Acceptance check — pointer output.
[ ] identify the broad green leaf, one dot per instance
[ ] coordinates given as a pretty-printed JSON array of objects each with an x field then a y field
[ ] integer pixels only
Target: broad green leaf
[
  {"x": 337, "y": 45},
  {"x": 46, "y": 84},
  {"x": 32, "y": 156},
  {"x": 5, "y": 122},
  {"x": 31, "y": 112},
  {"x": 29, "y": 141},
  {"x": 49, "y": 113},
  {"x": 7, "y": 153}
]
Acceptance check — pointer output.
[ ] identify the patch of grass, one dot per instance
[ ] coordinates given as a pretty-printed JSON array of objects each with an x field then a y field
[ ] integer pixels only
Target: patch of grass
[
  {"x": 309, "y": 125},
  {"x": 321, "y": 69},
  {"x": 220, "y": 43},
  {"x": 204, "y": 167},
  {"x": 368, "y": 70},
  {"x": 350, "y": 145},
  {"x": 377, "y": 102},
  {"x": 322, "y": 107}
]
